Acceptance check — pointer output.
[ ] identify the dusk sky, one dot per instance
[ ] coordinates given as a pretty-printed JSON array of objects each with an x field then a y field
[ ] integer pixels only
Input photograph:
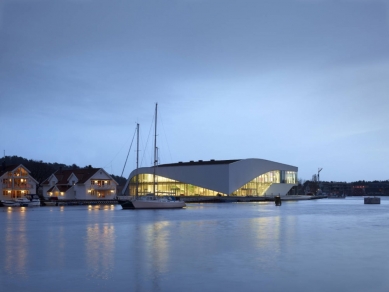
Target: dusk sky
[{"x": 301, "y": 82}]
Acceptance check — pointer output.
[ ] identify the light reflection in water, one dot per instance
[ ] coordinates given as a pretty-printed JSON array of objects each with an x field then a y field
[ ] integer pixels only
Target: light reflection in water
[
  {"x": 99, "y": 246},
  {"x": 159, "y": 234},
  {"x": 157, "y": 250},
  {"x": 274, "y": 234},
  {"x": 16, "y": 242}
]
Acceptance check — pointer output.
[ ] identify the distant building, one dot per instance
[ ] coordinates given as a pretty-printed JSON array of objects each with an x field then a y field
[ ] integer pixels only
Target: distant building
[
  {"x": 16, "y": 182},
  {"x": 81, "y": 184},
  {"x": 245, "y": 177}
]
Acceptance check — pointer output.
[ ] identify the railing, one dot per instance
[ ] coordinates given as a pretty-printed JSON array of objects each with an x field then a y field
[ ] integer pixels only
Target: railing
[
  {"x": 17, "y": 186},
  {"x": 103, "y": 187},
  {"x": 22, "y": 186}
]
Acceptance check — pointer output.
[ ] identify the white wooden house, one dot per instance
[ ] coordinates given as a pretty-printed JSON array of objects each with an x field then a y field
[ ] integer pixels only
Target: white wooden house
[
  {"x": 80, "y": 184},
  {"x": 16, "y": 182}
]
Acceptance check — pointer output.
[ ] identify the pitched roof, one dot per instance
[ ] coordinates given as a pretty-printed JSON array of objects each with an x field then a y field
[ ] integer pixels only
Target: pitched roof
[
  {"x": 50, "y": 189},
  {"x": 63, "y": 188},
  {"x": 82, "y": 174},
  {"x": 6, "y": 168}
]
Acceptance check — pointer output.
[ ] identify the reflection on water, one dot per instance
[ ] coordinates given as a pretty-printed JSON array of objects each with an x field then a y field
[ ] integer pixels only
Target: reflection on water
[
  {"x": 16, "y": 243},
  {"x": 99, "y": 246},
  {"x": 157, "y": 237},
  {"x": 205, "y": 247}
]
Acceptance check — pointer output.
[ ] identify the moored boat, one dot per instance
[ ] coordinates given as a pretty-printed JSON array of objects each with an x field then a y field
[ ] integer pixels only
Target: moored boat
[
  {"x": 151, "y": 201},
  {"x": 30, "y": 201},
  {"x": 10, "y": 203}
]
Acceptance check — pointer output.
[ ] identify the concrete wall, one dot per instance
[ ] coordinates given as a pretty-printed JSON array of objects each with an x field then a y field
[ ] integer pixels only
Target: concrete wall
[{"x": 278, "y": 189}]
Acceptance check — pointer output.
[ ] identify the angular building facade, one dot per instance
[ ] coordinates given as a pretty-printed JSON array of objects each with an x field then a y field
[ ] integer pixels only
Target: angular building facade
[{"x": 245, "y": 177}]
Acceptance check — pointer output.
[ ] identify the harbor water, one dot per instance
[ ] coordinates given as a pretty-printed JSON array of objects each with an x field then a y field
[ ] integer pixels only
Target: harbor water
[{"x": 315, "y": 245}]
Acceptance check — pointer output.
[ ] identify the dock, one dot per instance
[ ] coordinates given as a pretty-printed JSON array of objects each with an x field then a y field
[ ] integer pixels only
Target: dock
[{"x": 372, "y": 200}]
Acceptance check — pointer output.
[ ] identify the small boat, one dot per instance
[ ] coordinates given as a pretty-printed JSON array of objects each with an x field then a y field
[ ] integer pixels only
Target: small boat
[
  {"x": 152, "y": 202},
  {"x": 30, "y": 201},
  {"x": 10, "y": 203},
  {"x": 23, "y": 202}
]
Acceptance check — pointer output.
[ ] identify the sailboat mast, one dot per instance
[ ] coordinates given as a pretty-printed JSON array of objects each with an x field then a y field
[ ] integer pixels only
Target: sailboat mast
[
  {"x": 137, "y": 161},
  {"x": 155, "y": 146}
]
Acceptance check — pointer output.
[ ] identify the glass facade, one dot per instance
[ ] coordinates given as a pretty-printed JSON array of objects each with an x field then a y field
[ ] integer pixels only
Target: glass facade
[{"x": 166, "y": 186}]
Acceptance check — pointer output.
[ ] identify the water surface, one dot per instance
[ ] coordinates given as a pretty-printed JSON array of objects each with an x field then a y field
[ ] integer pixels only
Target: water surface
[{"x": 320, "y": 245}]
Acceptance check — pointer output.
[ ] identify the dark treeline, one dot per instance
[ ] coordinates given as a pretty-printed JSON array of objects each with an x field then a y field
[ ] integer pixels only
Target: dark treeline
[
  {"x": 357, "y": 188},
  {"x": 42, "y": 170}
]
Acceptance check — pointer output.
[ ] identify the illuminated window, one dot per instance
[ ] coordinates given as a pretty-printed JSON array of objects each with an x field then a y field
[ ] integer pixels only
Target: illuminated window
[{"x": 166, "y": 186}]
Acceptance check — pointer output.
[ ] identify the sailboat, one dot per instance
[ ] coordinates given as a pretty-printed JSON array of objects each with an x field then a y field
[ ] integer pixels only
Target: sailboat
[{"x": 150, "y": 201}]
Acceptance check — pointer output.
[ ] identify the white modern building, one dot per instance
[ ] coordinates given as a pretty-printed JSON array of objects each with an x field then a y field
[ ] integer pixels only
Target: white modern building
[
  {"x": 80, "y": 184},
  {"x": 244, "y": 177},
  {"x": 16, "y": 182}
]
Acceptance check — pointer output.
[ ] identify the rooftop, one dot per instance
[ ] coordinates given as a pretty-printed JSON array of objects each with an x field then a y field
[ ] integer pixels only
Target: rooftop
[{"x": 201, "y": 162}]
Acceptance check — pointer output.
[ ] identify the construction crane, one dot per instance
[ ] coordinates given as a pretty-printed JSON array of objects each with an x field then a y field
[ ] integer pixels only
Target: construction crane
[{"x": 318, "y": 173}]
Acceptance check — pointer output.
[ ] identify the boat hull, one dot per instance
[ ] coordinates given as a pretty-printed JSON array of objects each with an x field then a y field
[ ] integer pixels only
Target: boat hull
[
  {"x": 21, "y": 203},
  {"x": 143, "y": 204},
  {"x": 28, "y": 203},
  {"x": 10, "y": 204},
  {"x": 158, "y": 205},
  {"x": 374, "y": 200},
  {"x": 126, "y": 204}
]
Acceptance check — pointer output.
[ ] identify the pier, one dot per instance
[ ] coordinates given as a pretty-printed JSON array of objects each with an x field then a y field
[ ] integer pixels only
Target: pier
[{"x": 197, "y": 199}]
